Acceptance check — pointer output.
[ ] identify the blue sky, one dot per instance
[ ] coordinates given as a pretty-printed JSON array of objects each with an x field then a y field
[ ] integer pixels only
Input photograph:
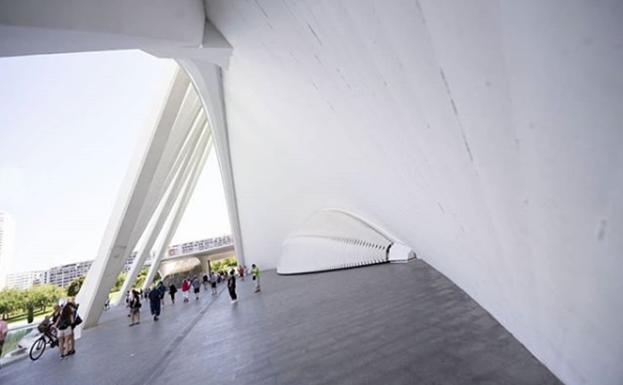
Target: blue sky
[{"x": 69, "y": 125}]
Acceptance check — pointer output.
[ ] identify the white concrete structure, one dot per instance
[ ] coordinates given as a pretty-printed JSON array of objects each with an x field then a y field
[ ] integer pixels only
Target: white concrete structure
[
  {"x": 486, "y": 135},
  {"x": 333, "y": 239},
  {"x": 7, "y": 247},
  {"x": 172, "y": 264}
]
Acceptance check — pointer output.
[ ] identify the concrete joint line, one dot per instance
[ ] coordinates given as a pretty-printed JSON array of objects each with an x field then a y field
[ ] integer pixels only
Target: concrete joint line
[{"x": 160, "y": 366}]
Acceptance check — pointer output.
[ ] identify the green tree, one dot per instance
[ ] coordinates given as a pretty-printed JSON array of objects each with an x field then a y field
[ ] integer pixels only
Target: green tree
[
  {"x": 142, "y": 276},
  {"x": 11, "y": 301},
  {"x": 31, "y": 314},
  {"x": 75, "y": 286}
]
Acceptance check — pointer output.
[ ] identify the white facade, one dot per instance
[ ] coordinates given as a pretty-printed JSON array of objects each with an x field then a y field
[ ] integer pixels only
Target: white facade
[
  {"x": 484, "y": 135},
  {"x": 7, "y": 247}
]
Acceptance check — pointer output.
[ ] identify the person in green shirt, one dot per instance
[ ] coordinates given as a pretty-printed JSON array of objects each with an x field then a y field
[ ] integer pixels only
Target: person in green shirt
[{"x": 255, "y": 272}]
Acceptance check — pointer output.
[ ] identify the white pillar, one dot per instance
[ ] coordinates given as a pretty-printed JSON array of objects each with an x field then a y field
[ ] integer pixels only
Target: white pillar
[
  {"x": 178, "y": 211},
  {"x": 208, "y": 82},
  {"x": 115, "y": 246},
  {"x": 182, "y": 169}
]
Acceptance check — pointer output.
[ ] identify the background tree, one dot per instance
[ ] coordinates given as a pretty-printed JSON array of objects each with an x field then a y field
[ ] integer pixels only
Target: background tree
[
  {"x": 11, "y": 300},
  {"x": 119, "y": 282},
  {"x": 31, "y": 314},
  {"x": 75, "y": 286},
  {"x": 142, "y": 275}
]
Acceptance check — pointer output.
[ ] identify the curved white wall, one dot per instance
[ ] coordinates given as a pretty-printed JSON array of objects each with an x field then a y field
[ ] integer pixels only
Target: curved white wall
[
  {"x": 332, "y": 239},
  {"x": 485, "y": 134}
]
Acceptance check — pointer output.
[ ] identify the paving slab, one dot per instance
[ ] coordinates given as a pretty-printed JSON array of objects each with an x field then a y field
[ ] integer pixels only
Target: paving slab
[{"x": 391, "y": 323}]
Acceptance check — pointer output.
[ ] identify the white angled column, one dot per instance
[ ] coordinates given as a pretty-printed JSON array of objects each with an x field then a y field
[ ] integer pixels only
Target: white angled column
[
  {"x": 207, "y": 79},
  {"x": 118, "y": 242},
  {"x": 178, "y": 211},
  {"x": 181, "y": 125},
  {"x": 181, "y": 169}
]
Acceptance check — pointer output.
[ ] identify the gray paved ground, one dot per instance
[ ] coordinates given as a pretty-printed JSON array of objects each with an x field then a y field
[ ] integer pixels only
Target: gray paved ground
[{"x": 390, "y": 324}]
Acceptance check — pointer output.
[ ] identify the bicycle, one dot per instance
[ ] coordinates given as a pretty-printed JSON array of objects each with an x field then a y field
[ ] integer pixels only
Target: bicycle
[{"x": 48, "y": 337}]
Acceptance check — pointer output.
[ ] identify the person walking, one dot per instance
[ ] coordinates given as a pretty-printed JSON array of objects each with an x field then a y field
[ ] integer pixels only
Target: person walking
[
  {"x": 128, "y": 296},
  {"x": 4, "y": 331},
  {"x": 185, "y": 289},
  {"x": 162, "y": 291},
  {"x": 196, "y": 287},
  {"x": 64, "y": 330},
  {"x": 205, "y": 282},
  {"x": 213, "y": 283},
  {"x": 231, "y": 286},
  {"x": 135, "y": 308},
  {"x": 172, "y": 291},
  {"x": 77, "y": 321},
  {"x": 154, "y": 303},
  {"x": 255, "y": 272},
  {"x": 241, "y": 272}
]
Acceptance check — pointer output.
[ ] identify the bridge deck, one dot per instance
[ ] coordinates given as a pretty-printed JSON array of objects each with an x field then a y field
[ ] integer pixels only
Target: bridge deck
[{"x": 381, "y": 324}]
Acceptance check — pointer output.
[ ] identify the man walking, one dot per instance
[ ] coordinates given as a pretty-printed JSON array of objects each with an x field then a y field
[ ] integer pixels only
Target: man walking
[
  {"x": 205, "y": 280},
  {"x": 231, "y": 286},
  {"x": 196, "y": 287},
  {"x": 255, "y": 272},
  {"x": 162, "y": 291},
  {"x": 154, "y": 303},
  {"x": 213, "y": 283},
  {"x": 172, "y": 291}
]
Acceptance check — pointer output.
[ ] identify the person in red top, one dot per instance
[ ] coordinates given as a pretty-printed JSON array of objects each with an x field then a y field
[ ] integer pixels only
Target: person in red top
[{"x": 185, "y": 289}]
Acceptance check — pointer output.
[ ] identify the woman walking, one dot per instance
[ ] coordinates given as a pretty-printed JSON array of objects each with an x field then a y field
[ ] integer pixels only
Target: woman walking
[
  {"x": 231, "y": 286},
  {"x": 64, "y": 331},
  {"x": 135, "y": 308},
  {"x": 185, "y": 289},
  {"x": 71, "y": 342}
]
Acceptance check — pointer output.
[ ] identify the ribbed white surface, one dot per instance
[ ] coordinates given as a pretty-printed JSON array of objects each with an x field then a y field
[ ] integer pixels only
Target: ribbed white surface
[{"x": 330, "y": 240}]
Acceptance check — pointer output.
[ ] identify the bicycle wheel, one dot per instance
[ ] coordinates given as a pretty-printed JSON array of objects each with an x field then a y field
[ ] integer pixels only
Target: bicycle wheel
[{"x": 37, "y": 348}]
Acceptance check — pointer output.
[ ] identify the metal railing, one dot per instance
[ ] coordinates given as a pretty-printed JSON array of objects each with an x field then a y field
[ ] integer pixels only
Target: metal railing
[{"x": 18, "y": 340}]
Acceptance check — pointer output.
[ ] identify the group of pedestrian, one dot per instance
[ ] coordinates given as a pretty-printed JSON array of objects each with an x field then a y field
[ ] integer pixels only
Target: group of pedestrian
[{"x": 157, "y": 293}]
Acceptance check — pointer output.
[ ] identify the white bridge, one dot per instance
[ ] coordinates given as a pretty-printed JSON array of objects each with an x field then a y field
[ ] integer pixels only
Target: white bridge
[
  {"x": 203, "y": 247},
  {"x": 185, "y": 256}
]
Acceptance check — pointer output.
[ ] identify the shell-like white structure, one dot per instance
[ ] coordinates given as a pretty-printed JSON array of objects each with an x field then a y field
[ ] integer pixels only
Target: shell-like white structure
[{"x": 333, "y": 239}]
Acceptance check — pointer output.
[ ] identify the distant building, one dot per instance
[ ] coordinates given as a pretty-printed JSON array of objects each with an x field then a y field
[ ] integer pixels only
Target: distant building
[
  {"x": 63, "y": 275},
  {"x": 26, "y": 280},
  {"x": 7, "y": 240}
]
